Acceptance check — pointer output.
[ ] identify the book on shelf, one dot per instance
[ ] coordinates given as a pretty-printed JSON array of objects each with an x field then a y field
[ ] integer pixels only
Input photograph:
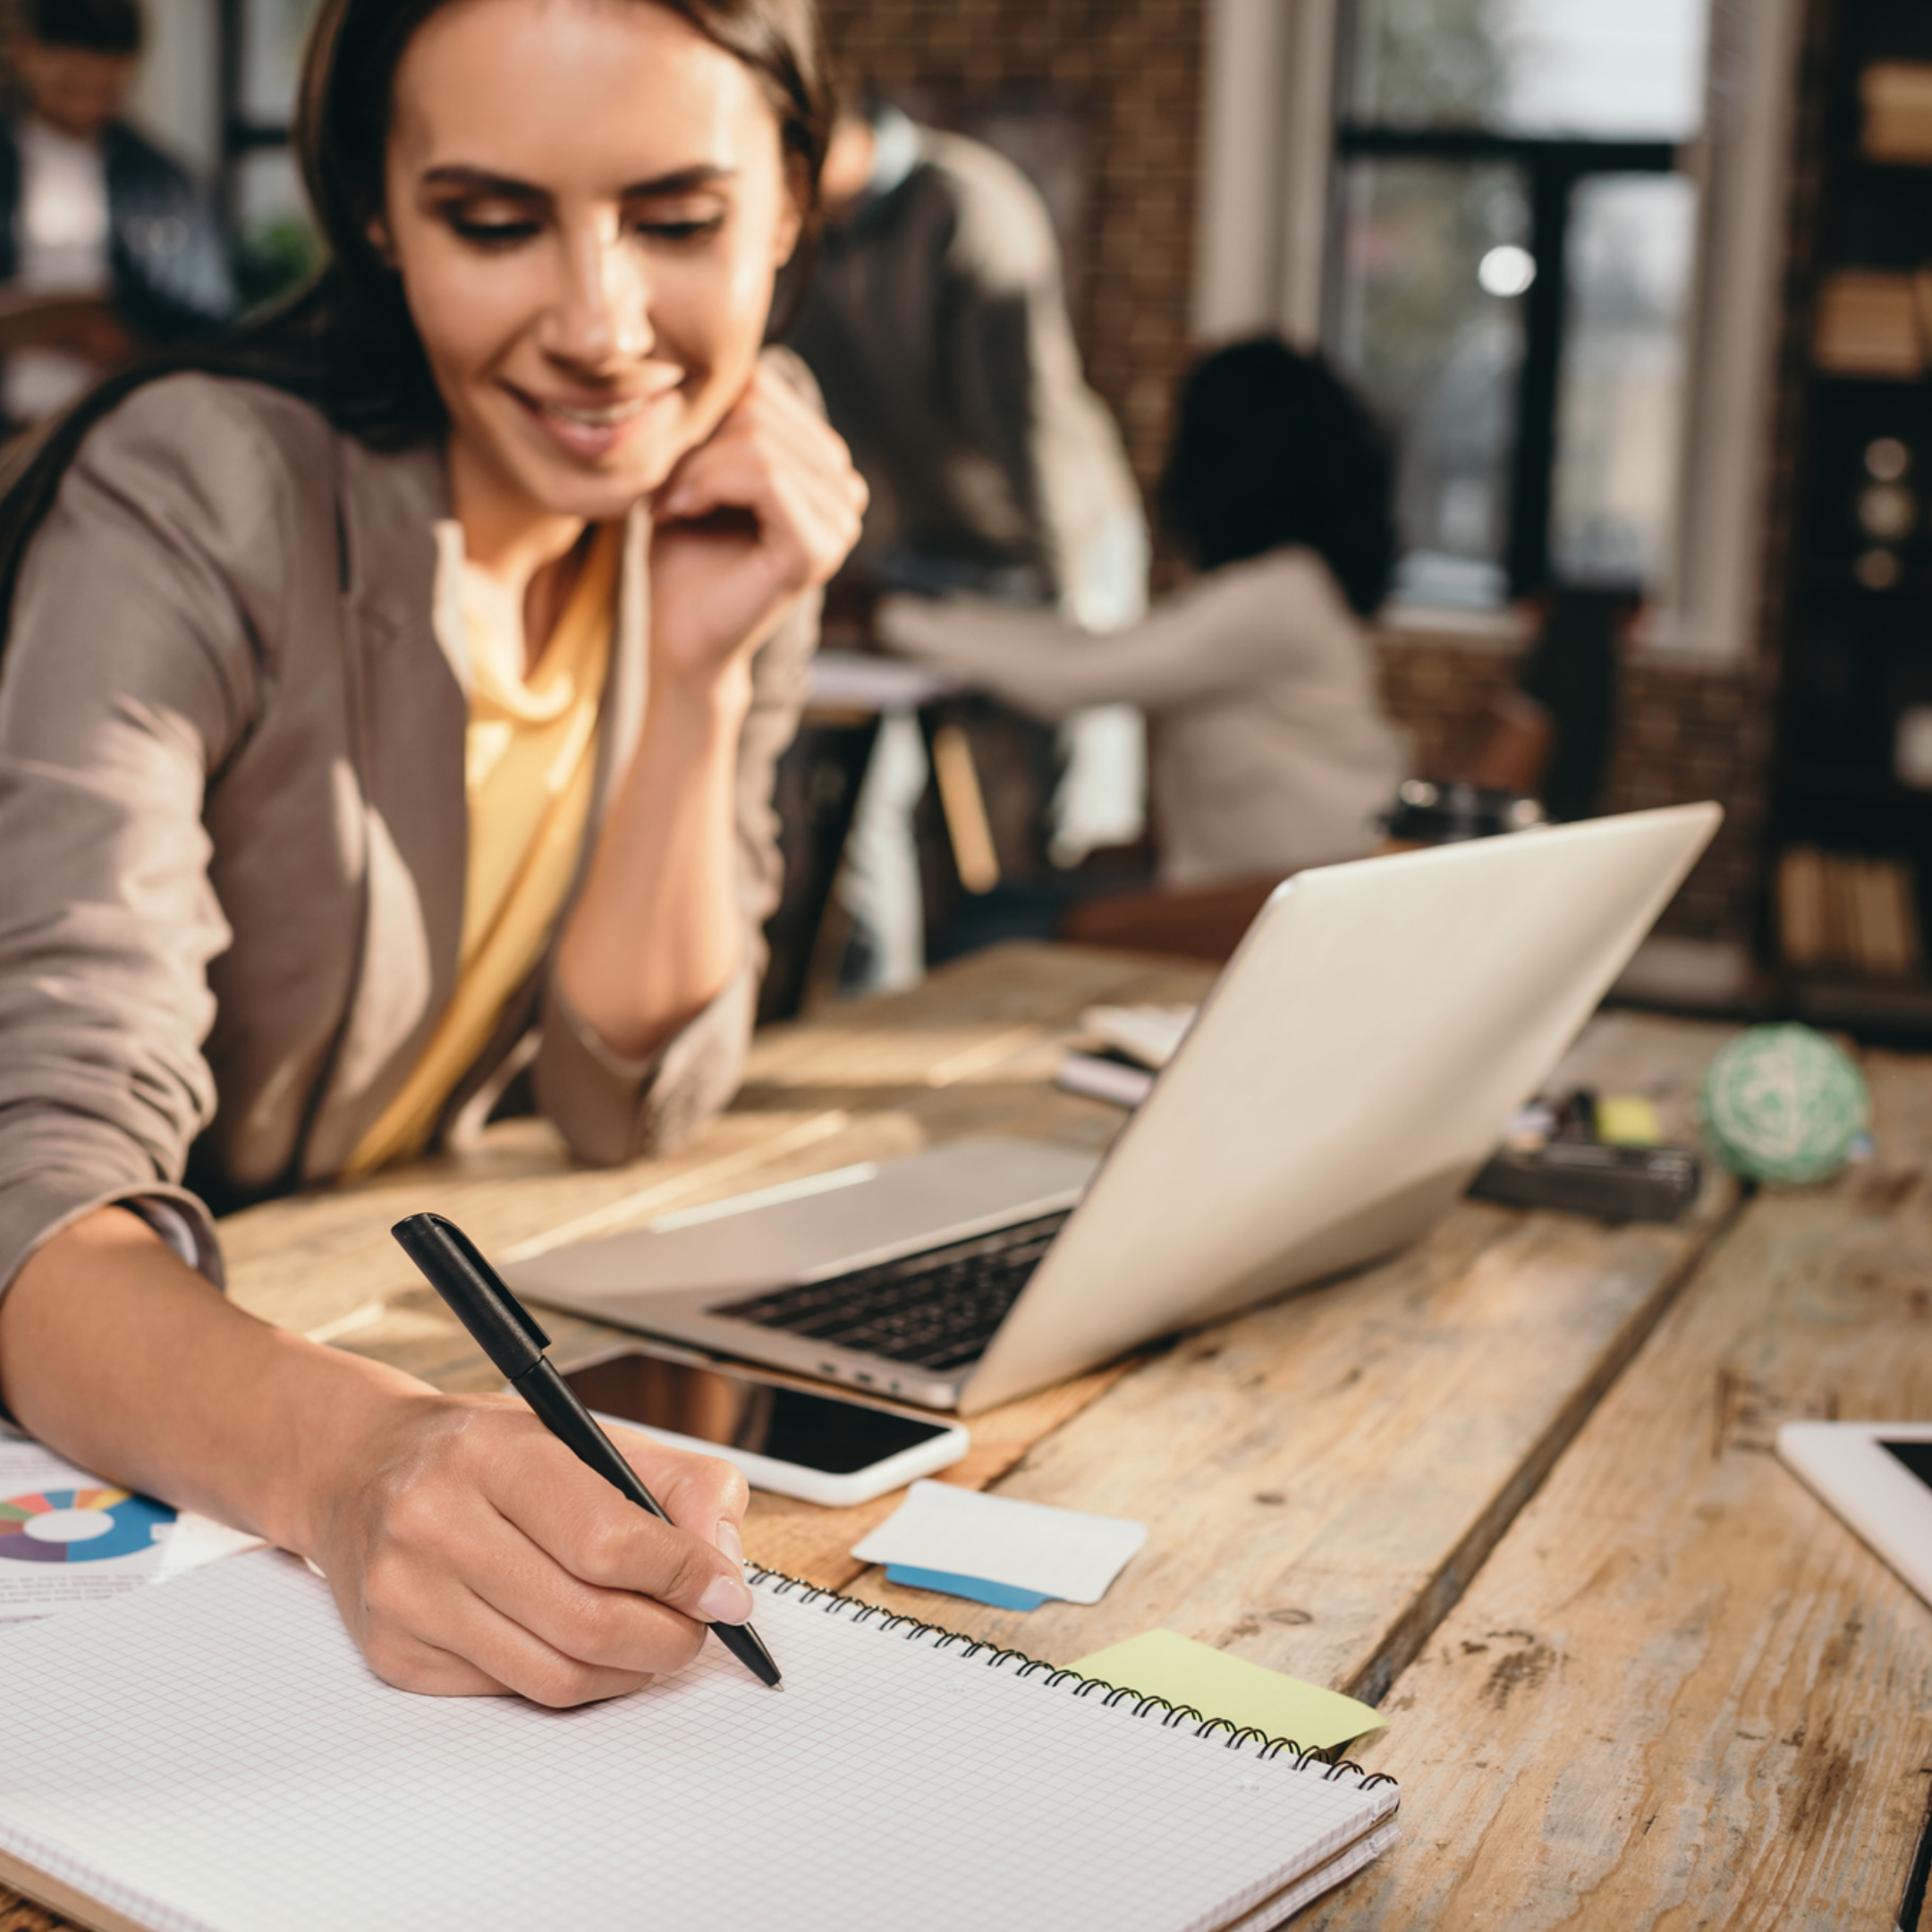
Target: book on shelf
[
  {"x": 1837, "y": 912},
  {"x": 1897, "y": 99},
  {"x": 1800, "y": 907},
  {"x": 1870, "y": 323}
]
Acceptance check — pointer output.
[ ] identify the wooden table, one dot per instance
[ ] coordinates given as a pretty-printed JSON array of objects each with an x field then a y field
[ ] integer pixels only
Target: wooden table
[{"x": 1515, "y": 1484}]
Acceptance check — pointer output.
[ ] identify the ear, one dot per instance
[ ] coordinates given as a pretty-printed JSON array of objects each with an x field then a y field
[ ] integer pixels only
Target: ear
[{"x": 378, "y": 231}]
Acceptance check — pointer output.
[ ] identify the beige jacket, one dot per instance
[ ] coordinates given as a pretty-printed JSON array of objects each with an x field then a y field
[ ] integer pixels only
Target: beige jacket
[{"x": 233, "y": 825}]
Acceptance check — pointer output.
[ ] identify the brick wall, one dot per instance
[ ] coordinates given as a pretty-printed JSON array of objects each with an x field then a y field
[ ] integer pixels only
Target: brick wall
[
  {"x": 1695, "y": 732},
  {"x": 1436, "y": 690},
  {"x": 1130, "y": 70},
  {"x": 1684, "y": 732}
]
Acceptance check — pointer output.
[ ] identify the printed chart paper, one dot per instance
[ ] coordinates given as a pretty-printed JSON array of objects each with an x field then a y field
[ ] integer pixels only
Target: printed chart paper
[{"x": 67, "y": 1538}]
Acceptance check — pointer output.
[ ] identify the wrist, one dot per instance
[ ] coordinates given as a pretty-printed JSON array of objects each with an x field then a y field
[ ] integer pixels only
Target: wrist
[
  {"x": 712, "y": 701},
  {"x": 344, "y": 1410},
  {"x": 125, "y": 1360}
]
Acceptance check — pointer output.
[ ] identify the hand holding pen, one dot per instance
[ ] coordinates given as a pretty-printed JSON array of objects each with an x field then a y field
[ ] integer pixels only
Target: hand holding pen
[{"x": 503, "y": 1328}]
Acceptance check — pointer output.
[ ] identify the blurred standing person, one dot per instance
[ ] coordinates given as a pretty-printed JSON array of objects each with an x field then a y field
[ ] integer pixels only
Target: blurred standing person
[
  {"x": 106, "y": 246},
  {"x": 938, "y": 328},
  {"x": 936, "y": 325}
]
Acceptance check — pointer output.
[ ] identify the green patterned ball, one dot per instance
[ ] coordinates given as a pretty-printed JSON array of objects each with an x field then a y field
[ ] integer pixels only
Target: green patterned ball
[{"x": 1782, "y": 1103}]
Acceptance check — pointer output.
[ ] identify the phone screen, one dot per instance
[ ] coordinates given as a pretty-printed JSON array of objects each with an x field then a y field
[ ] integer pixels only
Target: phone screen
[{"x": 713, "y": 1405}]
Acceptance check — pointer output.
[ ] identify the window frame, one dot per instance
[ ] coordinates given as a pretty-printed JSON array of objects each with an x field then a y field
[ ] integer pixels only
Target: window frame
[
  {"x": 240, "y": 134},
  {"x": 1552, "y": 169},
  {"x": 1264, "y": 257}
]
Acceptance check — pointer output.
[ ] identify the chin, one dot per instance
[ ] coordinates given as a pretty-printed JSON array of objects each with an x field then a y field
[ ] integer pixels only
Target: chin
[
  {"x": 556, "y": 482},
  {"x": 598, "y": 498},
  {"x": 597, "y": 492}
]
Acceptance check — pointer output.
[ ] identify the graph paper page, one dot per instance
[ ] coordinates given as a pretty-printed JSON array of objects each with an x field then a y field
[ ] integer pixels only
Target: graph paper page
[{"x": 214, "y": 1756}]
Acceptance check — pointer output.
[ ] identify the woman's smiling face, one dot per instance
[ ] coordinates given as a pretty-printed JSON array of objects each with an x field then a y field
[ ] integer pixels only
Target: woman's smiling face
[{"x": 588, "y": 203}]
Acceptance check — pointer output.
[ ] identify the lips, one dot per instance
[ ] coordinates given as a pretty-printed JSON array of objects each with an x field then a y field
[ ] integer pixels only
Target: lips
[
  {"x": 586, "y": 430},
  {"x": 604, "y": 416}
]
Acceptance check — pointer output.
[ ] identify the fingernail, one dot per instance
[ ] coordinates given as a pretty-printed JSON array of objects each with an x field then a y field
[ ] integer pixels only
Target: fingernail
[
  {"x": 725, "y": 1600},
  {"x": 729, "y": 1541}
]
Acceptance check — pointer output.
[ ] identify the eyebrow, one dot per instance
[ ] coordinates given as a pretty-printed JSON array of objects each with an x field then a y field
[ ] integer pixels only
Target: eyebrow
[{"x": 481, "y": 181}]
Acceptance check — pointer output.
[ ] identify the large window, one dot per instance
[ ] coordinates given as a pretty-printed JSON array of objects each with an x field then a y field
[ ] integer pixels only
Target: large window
[{"x": 1512, "y": 259}]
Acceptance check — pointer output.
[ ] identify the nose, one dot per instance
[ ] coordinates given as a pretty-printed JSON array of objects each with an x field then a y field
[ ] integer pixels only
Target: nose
[{"x": 599, "y": 315}]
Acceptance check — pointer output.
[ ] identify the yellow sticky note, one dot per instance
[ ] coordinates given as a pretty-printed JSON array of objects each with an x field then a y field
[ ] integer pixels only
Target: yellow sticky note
[
  {"x": 1628, "y": 1120},
  {"x": 1165, "y": 1664}
]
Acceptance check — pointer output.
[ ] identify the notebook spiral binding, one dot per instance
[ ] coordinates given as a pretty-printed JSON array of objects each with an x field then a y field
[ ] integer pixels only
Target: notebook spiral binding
[{"x": 1238, "y": 1737}]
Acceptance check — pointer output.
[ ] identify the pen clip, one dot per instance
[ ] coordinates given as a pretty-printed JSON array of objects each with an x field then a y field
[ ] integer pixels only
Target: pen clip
[{"x": 499, "y": 1323}]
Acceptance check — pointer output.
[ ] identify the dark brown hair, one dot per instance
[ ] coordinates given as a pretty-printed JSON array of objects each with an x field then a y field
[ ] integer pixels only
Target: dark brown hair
[
  {"x": 1272, "y": 447},
  {"x": 341, "y": 131},
  {"x": 96, "y": 26},
  {"x": 346, "y": 343}
]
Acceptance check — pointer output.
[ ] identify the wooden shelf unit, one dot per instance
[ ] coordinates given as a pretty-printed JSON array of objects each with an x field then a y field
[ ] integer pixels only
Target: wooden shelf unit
[{"x": 1855, "y": 655}]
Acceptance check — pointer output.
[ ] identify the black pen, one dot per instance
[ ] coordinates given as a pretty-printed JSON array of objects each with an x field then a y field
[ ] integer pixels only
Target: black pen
[{"x": 481, "y": 1300}]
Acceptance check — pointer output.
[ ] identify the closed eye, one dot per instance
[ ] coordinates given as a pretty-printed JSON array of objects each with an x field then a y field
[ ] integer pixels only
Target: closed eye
[
  {"x": 689, "y": 228},
  {"x": 492, "y": 233}
]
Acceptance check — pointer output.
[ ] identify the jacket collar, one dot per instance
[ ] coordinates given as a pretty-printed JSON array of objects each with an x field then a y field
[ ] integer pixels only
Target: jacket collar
[
  {"x": 408, "y": 730},
  {"x": 407, "y": 727},
  {"x": 389, "y": 502}
]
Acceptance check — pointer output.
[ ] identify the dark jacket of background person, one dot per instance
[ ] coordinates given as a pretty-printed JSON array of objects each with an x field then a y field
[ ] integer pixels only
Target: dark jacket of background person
[
  {"x": 233, "y": 823},
  {"x": 166, "y": 255},
  {"x": 936, "y": 325}
]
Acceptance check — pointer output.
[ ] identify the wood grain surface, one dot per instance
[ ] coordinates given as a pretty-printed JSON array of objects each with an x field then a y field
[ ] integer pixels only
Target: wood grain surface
[
  {"x": 1681, "y": 1692},
  {"x": 1321, "y": 1476},
  {"x": 971, "y": 1050},
  {"x": 1639, "y": 1677}
]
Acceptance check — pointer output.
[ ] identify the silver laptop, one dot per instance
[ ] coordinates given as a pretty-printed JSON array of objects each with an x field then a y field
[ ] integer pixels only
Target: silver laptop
[{"x": 1352, "y": 1067}]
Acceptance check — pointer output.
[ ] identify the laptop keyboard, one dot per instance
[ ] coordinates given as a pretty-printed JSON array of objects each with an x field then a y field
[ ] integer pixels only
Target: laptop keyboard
[{"x": 936, "y": 1308}]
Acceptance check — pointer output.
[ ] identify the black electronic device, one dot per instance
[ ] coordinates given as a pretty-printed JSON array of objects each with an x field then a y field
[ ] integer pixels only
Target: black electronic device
[
  {"x": 796, "y": 1441},
  {"x": 1588, "y": 1177}
]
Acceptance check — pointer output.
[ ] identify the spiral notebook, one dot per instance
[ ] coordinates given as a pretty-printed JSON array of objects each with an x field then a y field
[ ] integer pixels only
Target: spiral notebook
[{"x": 212, "y": 1756}]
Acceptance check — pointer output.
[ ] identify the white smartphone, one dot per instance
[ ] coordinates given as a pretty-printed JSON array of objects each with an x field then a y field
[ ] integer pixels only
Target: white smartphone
[
  {"x": 1878, "y": 1478},
  {"x": 790, "y": 1440}
]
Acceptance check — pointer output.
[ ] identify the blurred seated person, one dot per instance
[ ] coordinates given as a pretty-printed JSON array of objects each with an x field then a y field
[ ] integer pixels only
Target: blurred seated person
[
  {"x": 1270, "y": 749},
  {"x": 107, "y": 247}
]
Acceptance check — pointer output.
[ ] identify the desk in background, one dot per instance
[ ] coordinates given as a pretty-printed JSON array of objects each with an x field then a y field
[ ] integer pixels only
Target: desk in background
[{"x": 1514, "y": 1483}]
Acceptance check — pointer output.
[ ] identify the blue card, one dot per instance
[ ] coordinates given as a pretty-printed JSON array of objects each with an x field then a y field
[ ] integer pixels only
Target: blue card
[{"x": 976, "y": 1589}]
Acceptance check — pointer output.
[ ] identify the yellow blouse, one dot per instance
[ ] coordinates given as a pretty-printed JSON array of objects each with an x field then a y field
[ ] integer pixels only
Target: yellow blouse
[{"x": 530, "y": 761}]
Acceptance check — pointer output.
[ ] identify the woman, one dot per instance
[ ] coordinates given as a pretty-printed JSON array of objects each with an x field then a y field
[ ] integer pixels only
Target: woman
[
  {"x": 1270, "y": 751},
  {"x": 354, "y": 716}
]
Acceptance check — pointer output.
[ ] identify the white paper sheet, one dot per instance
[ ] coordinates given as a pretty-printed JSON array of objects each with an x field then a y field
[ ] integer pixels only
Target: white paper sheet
[
  {"x": 1026, "y": 1545},
  {"x": 1152, "y": 1035},
  {"x": 214, "y": 1756},
  {"x": 66, "y": 1538}
]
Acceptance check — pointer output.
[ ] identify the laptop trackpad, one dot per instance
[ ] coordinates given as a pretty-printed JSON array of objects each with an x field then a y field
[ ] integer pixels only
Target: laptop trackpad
[{"x": 818, "y": 1227}]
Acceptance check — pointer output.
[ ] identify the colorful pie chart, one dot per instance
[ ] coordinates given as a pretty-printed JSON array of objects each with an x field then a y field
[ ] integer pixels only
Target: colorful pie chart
[{"x": 78, "y": 1525}]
